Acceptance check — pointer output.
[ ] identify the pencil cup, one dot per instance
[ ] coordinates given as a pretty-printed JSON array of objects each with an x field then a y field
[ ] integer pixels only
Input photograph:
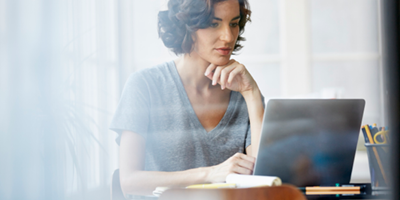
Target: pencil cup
[{"x": 379, "y": 163}]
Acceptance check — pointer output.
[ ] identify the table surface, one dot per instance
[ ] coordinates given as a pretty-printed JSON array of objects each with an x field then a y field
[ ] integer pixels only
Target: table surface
[{"x": 260, "y": 193}]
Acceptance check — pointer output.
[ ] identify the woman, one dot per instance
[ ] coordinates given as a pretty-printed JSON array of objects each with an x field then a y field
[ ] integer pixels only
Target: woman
[{"x": 195, "y": 119}]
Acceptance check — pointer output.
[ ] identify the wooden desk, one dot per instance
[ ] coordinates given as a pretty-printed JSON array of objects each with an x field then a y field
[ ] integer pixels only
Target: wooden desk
[
  {"x": 284, "y": 192},
  {"x": 261, "y": 193}
]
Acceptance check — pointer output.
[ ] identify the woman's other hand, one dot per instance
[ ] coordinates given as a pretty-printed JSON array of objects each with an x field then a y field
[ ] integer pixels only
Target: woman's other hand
[
  {"x": 233, "y": 76},
  {"x": 237, "y": 164}
]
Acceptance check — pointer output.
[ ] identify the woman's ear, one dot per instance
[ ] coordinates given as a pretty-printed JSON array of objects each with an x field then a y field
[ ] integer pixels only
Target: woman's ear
[
  {"x": 189, "y": 38},
  {"x": 194, "y": 44}
]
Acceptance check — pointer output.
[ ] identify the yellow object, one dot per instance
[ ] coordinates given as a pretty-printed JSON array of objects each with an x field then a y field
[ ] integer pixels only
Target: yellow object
[
  {"x": 384, "y": 135},
  {"x": 212, "y": 186}
]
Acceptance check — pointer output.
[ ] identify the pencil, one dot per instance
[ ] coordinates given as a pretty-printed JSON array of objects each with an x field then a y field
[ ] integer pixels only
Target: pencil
[
  {"x": 375, "y": 152},
  {"x": 331, "y": 189},
  {"x": 332, "y": 192}
]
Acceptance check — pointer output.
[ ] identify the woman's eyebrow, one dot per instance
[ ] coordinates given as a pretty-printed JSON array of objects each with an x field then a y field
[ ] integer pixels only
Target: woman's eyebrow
[{"x": 235, "y": 18}]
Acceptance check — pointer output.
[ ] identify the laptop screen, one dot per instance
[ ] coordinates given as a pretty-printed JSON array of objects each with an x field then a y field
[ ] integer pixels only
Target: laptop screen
[{"x": 308, "y": 142}]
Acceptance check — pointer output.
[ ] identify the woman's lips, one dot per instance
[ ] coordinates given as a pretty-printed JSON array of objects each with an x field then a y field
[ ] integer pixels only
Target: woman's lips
[{"x": 224, "y": 51}]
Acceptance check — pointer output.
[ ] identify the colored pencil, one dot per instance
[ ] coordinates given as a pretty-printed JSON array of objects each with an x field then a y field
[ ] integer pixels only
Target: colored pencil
[{"x": 371, "y": 140}]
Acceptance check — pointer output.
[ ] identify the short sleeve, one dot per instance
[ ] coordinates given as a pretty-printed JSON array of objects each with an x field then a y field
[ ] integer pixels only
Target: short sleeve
[
  {"x": 248, "y": 137},
  {"x": 132, "y": 113},
  {"x": 248, "y": 134}
]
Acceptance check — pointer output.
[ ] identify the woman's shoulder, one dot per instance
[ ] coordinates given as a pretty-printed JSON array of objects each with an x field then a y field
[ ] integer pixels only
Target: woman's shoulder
[
  {"x": 153, "y": 78},
  {"x": 157, "y": 72}
]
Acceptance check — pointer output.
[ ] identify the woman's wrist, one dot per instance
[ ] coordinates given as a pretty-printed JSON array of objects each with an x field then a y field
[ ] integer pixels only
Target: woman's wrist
[
  {"x": 206, "y": 171},
  {"x": 251, "y": 95}
]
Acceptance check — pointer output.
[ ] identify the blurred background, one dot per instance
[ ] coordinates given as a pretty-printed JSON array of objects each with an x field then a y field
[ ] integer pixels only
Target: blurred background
[{"x": 63, "y": 65}]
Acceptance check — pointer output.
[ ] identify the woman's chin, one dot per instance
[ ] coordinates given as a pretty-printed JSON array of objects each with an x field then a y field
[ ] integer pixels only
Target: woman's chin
[{"x": 221, "y": 62}]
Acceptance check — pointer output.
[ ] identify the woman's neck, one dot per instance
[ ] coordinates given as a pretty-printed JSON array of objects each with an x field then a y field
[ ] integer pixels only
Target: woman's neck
[{"x": 191, "y": 69}]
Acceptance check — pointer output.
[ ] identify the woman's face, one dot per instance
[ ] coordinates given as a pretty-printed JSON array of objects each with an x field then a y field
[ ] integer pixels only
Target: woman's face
[{"x": 215, "y": 43}]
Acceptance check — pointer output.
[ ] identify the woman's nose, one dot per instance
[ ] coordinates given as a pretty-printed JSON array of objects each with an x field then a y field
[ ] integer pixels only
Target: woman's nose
[{"x": 226, "y": 34}]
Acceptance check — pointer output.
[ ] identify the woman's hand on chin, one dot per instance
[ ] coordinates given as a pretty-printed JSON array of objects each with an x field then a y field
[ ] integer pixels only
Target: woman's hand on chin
[{"x": 233, "y": 76}]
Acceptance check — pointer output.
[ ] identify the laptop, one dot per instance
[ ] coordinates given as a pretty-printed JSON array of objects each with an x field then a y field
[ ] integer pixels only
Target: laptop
[{"x": 309, "y": 142}]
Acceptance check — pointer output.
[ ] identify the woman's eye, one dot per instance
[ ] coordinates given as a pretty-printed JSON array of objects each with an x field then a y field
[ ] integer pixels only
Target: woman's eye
[
  {"x": 234, "y": 24},
  {"x": 213, "y": 25}
]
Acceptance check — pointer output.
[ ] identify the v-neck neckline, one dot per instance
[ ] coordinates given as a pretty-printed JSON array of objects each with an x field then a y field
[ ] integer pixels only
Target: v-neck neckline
[{"x": 194, "y": 118}]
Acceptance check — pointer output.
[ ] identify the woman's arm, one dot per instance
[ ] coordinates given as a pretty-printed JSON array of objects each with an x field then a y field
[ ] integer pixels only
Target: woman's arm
[
  {"x": 234, "y": 76},
  {"x": 138, "y": 182},
  {"x": 256, "y": 112}
]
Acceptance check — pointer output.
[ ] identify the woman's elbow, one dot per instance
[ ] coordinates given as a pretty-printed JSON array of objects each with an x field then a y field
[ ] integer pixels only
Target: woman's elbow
[{"x": 133, "y": 184}]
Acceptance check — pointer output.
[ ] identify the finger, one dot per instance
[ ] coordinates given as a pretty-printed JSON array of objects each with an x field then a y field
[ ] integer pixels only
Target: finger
[
  {"x": 246, "y": 164},
  {"x": 209, "y": 69},
  {"x": 216, "y": 75},
  {"x": 241, "y": 170},
  {"x": 230, "y": 63},
  {"x": 210, "y": 75},
  {"x": 244, "y": 161},
  {"x": 248, "y": 158},
  {"x": 233, "y": 74},
  {"x": 225, "y": 74},
  {"x": 238, "y": 155}
]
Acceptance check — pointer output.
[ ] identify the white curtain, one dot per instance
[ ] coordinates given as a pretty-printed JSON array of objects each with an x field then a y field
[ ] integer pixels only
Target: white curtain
[
  {"x": 90, "y": 52},
  {"x": 60, "y": 84}
]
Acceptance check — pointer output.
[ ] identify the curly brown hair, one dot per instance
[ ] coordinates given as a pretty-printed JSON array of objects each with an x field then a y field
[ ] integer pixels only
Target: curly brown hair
[{"x": 184, "y": 17}]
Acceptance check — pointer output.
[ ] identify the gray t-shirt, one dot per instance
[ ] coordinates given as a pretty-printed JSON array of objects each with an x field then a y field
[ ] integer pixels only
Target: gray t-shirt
[{"x": 155, "y": 105}]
